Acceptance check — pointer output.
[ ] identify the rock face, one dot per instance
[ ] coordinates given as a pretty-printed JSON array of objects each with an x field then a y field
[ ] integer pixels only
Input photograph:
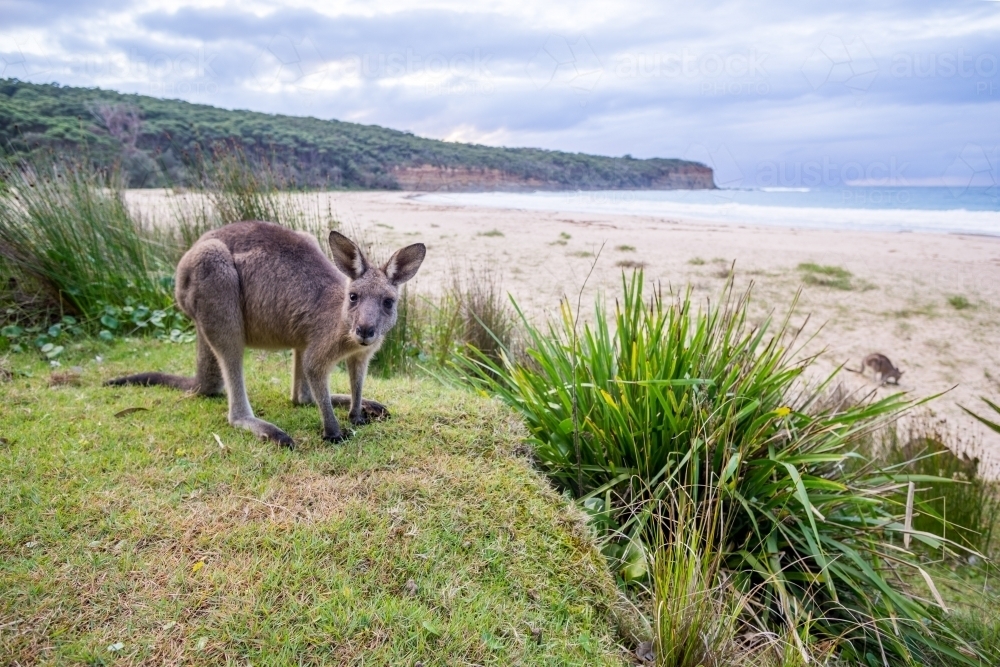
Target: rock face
[{"x": 432, "y": 178}]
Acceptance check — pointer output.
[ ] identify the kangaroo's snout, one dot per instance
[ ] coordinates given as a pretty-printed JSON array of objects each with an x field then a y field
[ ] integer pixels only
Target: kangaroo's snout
[{"x": 365, "y": 335}]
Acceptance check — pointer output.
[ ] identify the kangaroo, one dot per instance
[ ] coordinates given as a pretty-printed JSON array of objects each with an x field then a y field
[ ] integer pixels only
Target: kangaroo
[
  {"x": 882, "y": 368},
  {"x": 260, "y": 285}
]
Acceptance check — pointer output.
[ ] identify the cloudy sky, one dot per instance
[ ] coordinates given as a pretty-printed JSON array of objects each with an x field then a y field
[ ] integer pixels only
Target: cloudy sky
[{"x": 769, "y": 94}]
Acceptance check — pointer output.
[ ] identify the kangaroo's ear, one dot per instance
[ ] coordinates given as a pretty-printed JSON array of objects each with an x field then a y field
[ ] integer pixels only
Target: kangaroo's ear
[
  {"x": 404, "y": 263},
  {"x": 347, "y": 256}
]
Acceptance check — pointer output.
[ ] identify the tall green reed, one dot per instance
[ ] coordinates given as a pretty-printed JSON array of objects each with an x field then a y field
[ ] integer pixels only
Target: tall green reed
[
  {"x": 232, "y": 186},
  {"x": 68, "y": 228}
]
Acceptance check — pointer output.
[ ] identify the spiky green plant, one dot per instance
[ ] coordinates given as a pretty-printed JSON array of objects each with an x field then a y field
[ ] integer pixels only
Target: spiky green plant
[
  {"x": 665, "y": 397},
  {"x": 988, "y": 423}
]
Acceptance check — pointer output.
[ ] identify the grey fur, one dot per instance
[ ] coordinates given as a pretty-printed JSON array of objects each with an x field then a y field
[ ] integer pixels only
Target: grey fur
[
  {"x": 260, "y": 285},
  {"x": 882, "y": 368}
]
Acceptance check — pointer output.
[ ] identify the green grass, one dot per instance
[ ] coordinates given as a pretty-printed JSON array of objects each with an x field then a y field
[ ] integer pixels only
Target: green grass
[
  {"x": 142, "y": 531},
  {"x": 826, "y": 276},
  {"x": 959, "y": 302},
  {"x": 625, "y": 248},
  {"x": 696, "y": 261},
  {"x": 493, "y": 233}
]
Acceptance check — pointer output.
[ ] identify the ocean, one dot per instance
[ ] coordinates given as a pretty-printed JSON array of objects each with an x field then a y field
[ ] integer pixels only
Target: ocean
[{"x": 972, "y": 210}]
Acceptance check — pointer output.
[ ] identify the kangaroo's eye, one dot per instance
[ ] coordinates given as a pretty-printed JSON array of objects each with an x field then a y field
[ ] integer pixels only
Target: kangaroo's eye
[
  {"x": 354, "y": 297},
  {"x": 387, "y": 303}
]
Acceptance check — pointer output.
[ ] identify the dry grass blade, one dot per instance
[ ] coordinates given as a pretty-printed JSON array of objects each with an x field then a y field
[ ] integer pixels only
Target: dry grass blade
[{"x": 129, "y": 411}]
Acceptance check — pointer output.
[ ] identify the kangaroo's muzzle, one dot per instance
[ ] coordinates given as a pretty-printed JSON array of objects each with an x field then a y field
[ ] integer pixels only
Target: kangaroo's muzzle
[{"x": 365, "y": 335}]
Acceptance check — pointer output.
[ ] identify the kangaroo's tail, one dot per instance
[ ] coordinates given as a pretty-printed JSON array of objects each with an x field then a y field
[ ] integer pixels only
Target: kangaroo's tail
[
  {"x": 861, "y": 370},
  {"x": 155, "y": 379}
]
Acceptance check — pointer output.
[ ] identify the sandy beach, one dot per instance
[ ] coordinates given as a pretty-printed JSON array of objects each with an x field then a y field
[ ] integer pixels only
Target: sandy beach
[{"x": 897, "y": 304}]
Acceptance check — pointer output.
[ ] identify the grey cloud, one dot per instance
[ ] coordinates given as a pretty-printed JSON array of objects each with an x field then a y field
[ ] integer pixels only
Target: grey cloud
[{"x": 774, "y": 83}]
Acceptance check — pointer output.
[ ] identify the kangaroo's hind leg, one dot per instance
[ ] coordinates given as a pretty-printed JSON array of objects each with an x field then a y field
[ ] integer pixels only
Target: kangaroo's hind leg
[
  {"x": 208, "y": 379},
  {"x": 301, "y": 395},
  {"x": 211, "y": 295}
]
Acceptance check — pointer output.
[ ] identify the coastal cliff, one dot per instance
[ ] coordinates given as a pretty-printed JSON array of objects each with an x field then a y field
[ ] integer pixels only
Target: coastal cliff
[
  {"x": 161, "y": 143},
  {"x": 431, "y": 178}
]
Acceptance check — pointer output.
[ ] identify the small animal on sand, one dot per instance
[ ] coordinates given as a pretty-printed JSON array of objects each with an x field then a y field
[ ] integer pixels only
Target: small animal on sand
[
  {"x": 882, "y": 369},
  {"x": 261, "y": 285}
]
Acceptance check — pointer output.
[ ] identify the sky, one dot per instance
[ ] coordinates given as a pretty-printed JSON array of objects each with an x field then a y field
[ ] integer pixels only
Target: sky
[{"x": 777, "y": 94}]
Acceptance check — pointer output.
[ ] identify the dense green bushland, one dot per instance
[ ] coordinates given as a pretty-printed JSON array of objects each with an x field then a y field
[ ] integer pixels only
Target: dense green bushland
[{"x": 160, "y": 142}]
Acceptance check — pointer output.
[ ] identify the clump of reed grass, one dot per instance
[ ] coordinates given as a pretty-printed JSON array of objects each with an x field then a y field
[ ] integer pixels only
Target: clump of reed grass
[
  {"x": 67, "y": 229},
  {"x": 659, "y": 398},
  {"x": 473, "y": 311},
  {"x": 696, "y": 616},
  {"x": 488, "y": 322},
  {"x": 233, "y": 187}
]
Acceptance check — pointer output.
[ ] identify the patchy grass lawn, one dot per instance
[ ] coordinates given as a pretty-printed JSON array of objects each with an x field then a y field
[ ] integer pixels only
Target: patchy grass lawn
[{"x": 142, "y": 539}]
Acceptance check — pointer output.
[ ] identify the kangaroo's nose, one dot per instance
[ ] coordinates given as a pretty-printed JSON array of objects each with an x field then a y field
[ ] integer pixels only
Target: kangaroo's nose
[{"x": 365, "y": 333}]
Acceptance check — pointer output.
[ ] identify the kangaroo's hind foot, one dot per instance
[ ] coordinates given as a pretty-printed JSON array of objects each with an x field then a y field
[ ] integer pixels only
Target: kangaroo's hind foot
[{"x": 371, "y": 411}]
